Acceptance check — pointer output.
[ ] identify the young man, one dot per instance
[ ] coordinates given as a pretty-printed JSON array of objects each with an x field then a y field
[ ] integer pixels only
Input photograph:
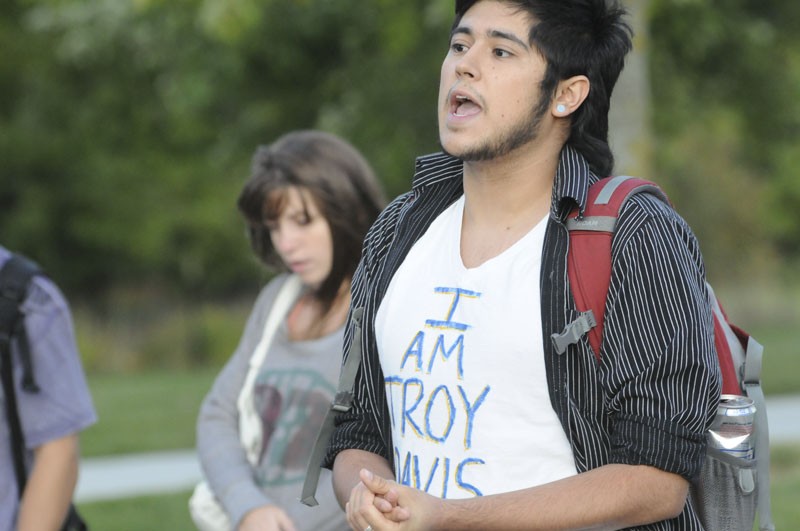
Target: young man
[
  {"x": 50, "y": 418},
  {"x": 464, "y": 414}
]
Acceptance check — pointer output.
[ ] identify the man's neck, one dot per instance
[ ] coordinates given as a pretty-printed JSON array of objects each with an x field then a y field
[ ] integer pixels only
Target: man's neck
[
  {"x": 518, "y": 184},
  {"x": 504, "y": 199}
]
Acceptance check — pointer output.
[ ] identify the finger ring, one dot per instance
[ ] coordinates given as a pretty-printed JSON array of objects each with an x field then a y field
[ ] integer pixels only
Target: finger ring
[{"x": 369, "y": 528}]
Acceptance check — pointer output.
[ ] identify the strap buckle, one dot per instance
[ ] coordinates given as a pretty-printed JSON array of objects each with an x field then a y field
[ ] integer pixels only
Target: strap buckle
[
  {"x": 342, "y": 401},
  {"x": 574, "y": 331}
]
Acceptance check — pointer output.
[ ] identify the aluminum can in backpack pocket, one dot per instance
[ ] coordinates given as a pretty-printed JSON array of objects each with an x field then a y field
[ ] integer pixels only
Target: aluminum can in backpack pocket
[{"x": 732, "y": 430}]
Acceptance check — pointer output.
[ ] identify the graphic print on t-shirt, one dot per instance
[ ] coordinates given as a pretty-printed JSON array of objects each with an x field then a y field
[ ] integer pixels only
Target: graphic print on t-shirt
[
  {"x": 434, "y": 413},
  {"x": 291, "y": 404},
  {"x": 463, "y": 363}
]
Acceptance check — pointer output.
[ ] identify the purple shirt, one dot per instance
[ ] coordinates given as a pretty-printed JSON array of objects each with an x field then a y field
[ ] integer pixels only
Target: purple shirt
[{"x": 63, "y": 405}]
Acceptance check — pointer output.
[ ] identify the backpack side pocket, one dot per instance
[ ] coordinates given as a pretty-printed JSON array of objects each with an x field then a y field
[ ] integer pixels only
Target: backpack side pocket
[{"x": 726, "y": 494}]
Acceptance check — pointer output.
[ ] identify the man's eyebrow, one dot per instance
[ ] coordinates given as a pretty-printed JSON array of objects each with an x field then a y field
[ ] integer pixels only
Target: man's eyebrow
[
  {"x": 461, "y": 30},
  {"x": 495, "y": 34}
]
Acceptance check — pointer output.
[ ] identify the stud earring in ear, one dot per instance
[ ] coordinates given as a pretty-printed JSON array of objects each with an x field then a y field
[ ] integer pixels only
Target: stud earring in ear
[{"x": 561, "y": 108}]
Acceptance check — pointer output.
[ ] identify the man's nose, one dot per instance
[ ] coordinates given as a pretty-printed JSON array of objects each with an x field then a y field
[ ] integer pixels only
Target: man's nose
[{"x": 466, "y": 65}]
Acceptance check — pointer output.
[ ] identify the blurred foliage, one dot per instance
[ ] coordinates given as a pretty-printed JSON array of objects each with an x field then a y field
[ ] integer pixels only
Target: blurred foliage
[
  {"x": 134, "y": 331},
  {"x": 126, "y": 126},
  {"x": 726, "y": 75}
]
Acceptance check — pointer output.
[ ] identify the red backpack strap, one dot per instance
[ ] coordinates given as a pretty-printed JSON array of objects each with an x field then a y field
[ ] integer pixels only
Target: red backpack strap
[{"x": 589, "y": 256}]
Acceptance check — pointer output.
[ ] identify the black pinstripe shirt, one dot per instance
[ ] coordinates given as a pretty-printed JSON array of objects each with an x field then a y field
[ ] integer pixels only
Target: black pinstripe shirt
[{"x": 653, "y": 394}]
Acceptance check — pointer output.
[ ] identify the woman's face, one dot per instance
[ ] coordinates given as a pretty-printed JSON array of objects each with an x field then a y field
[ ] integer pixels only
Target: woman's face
[{"x": 302, "y": 237}]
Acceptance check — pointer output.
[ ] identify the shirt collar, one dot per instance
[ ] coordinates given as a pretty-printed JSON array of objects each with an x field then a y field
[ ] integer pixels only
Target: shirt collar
[
  {"x": 571, "y": 184},
  {"x": 436, "y": 167}
]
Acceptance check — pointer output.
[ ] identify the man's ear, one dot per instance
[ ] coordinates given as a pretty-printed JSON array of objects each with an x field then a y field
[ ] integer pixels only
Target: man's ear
[{"x": 570, "y": 94}]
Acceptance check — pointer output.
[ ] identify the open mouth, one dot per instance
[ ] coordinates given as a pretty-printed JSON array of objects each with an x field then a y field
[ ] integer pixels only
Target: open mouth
[{"x": 462, "y": 105}]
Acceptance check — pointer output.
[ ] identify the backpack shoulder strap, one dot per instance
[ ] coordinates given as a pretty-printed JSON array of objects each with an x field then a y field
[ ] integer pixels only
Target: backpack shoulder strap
[
  {"x": 589, "y": 255},
  {"x": 342, "y": 402},
  {"x": 15, "y": 275}
]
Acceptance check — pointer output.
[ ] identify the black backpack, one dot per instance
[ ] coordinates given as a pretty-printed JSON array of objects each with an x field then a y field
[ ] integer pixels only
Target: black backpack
[{"x": 15, "y": 276}]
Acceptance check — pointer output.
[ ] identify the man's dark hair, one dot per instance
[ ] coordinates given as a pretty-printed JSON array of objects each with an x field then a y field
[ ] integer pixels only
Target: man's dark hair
[
  {"x": 335, "y": 176},
  {"x": 579, "y": 37}
]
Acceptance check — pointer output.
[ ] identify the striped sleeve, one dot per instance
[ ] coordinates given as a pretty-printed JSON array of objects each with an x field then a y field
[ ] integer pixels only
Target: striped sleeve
[{"x": 659, "y": 365}]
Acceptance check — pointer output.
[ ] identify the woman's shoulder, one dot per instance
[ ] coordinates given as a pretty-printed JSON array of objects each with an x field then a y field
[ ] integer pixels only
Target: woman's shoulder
[{"x": 269, "y": 292}]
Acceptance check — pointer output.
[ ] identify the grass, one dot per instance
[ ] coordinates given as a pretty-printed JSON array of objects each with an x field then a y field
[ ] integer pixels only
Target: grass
[
  {"x": 151, "y": 513},
  {"x": 785, "y": 479},
  {"x": 145, "y": 412}
]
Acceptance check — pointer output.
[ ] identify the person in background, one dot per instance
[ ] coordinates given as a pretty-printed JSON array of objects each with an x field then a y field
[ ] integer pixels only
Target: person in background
[
  {"x": 51, "y": 417},
  {"x": 308, "y": 203},
  {"x": 466, "y": 414}
]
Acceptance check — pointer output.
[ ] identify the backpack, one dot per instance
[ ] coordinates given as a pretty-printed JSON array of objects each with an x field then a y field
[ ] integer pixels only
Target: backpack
[
  {"x": 15, "y": 276},
  {"x": 731, "y": 488}
]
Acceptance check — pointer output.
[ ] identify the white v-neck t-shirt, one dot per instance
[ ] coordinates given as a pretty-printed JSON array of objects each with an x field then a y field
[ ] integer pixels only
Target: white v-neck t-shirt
[{"x": 462, "y": 356}]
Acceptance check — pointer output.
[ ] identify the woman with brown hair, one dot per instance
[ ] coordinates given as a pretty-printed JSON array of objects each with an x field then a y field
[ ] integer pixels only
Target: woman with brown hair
[{"x": 308, "y": 203}]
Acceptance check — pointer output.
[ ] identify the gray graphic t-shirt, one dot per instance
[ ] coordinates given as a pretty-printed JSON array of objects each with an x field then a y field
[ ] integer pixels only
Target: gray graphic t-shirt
[{"x": 292, "y": 394}]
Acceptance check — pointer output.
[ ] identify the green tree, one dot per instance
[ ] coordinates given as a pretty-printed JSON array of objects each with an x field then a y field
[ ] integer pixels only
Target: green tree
[
  {"x": 726, "y": 74},
  {"x": 129, "y": 124}
]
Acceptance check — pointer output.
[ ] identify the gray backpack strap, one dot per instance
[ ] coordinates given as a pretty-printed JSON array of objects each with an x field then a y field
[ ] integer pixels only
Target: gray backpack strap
[
  {"x": 751, "y": 382},
  {"x": 341, "y": 404}
]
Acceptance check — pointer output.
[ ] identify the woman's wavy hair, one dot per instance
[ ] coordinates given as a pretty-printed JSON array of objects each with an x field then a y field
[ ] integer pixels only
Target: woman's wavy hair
[
  {"x": 335, "y": 176},
  {"x": 579, "y": 37}
]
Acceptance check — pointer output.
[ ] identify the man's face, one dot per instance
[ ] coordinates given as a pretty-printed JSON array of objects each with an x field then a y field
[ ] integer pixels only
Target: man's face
[{"x": 489, "y": 100}]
